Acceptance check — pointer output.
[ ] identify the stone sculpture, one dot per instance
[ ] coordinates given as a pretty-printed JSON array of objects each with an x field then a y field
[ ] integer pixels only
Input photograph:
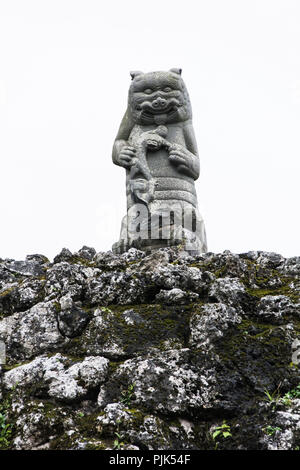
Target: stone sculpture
[{"x": 157, "y": 147}]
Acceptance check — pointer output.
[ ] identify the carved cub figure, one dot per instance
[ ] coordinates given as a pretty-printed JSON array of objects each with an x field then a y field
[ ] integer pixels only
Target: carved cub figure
[{"x": 157, "y": 147}]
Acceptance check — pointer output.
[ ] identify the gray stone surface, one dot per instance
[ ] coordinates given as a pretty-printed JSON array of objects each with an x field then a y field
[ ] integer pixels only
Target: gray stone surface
[
  {"x": 157, "y": 147},
  {"x": 158, "y": 349}
]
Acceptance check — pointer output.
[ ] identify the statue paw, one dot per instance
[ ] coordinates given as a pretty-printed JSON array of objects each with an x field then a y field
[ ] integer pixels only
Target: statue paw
[
  {"x": 180, "y": 156},
  {"x": 126, "y": 155}
]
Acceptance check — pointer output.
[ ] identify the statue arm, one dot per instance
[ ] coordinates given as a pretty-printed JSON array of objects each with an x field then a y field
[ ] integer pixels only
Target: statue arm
[
  {"x": 121, "y": 141},
  {"x": 191, "y": 145},
  {"x": 186, "y": 158}
]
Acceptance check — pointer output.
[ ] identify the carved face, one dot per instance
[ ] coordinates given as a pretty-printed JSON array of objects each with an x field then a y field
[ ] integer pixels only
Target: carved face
[{"x": 158, "y": 98}]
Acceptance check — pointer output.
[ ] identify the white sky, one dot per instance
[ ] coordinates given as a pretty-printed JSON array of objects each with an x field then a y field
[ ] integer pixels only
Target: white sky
[{"x": 64, "y": 77}]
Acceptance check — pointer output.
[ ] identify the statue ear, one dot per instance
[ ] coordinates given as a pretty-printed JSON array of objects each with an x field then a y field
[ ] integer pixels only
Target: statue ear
[
  {"x": 178, "y": 71},
  {"x": 135, "y": 73}
]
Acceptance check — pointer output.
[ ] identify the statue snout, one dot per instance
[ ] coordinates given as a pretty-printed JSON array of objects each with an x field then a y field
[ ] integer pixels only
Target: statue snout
[{"x": 159, "y": 103}]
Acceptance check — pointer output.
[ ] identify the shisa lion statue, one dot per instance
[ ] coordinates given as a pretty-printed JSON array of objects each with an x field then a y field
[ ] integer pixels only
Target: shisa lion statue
[{"x": 157, "y": 147}]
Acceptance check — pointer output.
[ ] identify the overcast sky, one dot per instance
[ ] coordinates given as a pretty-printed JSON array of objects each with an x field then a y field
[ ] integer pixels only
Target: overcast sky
[{"x": 64, "y": 78}]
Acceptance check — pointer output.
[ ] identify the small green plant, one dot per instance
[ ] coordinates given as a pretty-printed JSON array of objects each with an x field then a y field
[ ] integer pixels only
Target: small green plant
[
  {"x": 106, "y": 310},
  {"x": 220, "y": 432},
  {"x": 270, "y": 430},
  {"x": 5, "y": 432},
  {"x": 286, "y": 400},
  {"x": 118, "y": 444},
  {"x": 127, "y": 395},
  {"x": 289, "y": 396},
  {"x": 6, "y": 429},
  {"x": 273, "y": 397},
  {"x": 295, "y": 393}
]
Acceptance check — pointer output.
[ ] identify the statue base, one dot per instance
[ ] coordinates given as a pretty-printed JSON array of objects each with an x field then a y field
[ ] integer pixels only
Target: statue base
[{"x": 153, "y": 232}]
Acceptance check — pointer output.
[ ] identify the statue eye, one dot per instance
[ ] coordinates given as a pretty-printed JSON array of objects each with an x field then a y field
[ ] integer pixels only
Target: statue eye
[
  {"x": 167, "y": 89},
  {"x": 148, "y": 91}
]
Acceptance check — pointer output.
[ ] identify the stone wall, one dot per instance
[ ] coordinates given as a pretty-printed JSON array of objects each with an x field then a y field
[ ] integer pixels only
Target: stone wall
[{"x": 150, "y": 352}]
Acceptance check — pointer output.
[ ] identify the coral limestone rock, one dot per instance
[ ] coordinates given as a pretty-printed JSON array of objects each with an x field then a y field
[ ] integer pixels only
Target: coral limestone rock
[{"x": 158, "y": 348}]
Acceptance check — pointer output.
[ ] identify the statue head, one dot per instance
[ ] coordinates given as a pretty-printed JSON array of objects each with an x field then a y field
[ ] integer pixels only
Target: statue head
[{"x": 158, "y": 98}]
